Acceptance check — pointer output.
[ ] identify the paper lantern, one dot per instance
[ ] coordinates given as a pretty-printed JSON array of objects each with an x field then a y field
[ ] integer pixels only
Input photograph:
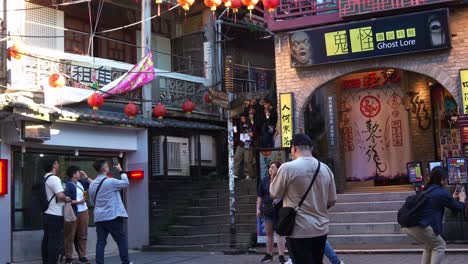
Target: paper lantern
[
  {"x": 186, "y": 4},
  {"x": 95, "y": 100},
  {"x": 212, "y": 4},
  {"x": 158, "y": 3},
  {"x": 207, "y": 98},
  {"x": 235, "y": 5},
  {"x": 56, "y": 80},
  {"x": 271, "y": 5},
  {"x": 160, "y": 111},
  {"x": 250, "y": 4},
  {"x": 131, "y": 110},
  {"x": 188, "y": 106},
  {"x": 15, "y": 52}
]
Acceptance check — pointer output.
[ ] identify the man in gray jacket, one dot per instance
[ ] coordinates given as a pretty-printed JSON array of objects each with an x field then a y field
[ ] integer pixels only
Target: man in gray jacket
[{"x": 109, "y": 211}]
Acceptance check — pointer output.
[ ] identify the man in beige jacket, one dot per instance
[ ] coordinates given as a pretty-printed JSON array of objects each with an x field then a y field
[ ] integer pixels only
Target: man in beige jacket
[{"x": 307, "y": 243}]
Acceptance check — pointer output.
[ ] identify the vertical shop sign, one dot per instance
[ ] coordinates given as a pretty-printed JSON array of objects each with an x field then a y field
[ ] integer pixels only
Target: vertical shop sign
[
  {"x": 3, "y": 176},
  {"x": 287, "y": 116},
  {"x": 331, "y": 121},
  {"x": 464, "y": 89}
]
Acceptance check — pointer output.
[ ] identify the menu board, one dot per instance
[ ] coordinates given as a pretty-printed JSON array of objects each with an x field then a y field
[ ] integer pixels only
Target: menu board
[
  {"x": 457, "y": 171},
  {"x": 414, "y": 171},
  {"x": 433, "y": 164}
]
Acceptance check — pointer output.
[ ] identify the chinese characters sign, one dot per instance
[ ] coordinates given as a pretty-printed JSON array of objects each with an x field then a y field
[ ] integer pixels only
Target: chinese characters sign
[
  {"x": 371, "y": 38},
  {"x": 464, "y": 89},
  {"x": 287, "y": 118},
  {"x": 360, "y": 7},
  {"x": 331, "y": 121}
]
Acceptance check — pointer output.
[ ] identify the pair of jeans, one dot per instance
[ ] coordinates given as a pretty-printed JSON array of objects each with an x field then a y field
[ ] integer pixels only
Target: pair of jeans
[
  {"x": 307, "y": 250},
  {"x": 330, "y": 254},
  {"x": 52, "y": 242},
  {"x": 434, "y": 245},
  {"x": 116, "y": 228}
]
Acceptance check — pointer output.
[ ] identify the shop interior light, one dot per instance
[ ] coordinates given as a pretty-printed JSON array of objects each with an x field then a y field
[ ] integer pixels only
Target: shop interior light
[
  {"x": 3, "y": 176},
  {"x": 41, "y": 155},
  {"x": 136, "y": 174},
  {"x": 77, "y": 152}
]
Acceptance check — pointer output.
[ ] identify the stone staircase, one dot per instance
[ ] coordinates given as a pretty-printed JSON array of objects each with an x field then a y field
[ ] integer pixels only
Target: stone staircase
[
  {"x": 201, "y": 221},
  {"x": 367, "y": 218}
]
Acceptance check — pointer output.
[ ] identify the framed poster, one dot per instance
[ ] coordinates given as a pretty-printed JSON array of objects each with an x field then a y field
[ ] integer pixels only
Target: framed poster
[
  {"x": 457, "y": 171},
  {"x": 414, "y": 171},
  {"x": 264, "y": 158},
  {"x": 436, "y": 163}
]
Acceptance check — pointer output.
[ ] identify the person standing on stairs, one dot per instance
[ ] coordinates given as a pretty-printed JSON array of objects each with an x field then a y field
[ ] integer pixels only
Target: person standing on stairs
[
  {"x": 244, "y": 151},
  {"x": 266, "y": 209},
  {"x": 429, "y": 229}
]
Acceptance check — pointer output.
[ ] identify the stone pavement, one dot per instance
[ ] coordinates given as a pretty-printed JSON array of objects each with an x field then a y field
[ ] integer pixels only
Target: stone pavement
[{"x": 216, "y": 258}]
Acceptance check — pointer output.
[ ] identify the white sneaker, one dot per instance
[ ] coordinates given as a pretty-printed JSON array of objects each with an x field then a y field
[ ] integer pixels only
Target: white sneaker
[
  {"x": 235, "y": 177},
  {"x": 341, "y": 262},
  {"x": 247, "y": 178},
  {"x": 289, "y": 261}
]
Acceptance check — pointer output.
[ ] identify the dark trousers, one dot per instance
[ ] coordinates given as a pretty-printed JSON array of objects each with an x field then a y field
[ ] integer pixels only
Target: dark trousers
[
  {"x": 307, "y": 250},
  {"x": 116, "y": 228},
  {"x": 52, "y": 242}
]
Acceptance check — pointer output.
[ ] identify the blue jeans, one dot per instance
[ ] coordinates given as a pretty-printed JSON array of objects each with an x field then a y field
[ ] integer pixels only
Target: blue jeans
[
  {"x": 116, "y": 228},
  {"x": 330, "y": 254}
]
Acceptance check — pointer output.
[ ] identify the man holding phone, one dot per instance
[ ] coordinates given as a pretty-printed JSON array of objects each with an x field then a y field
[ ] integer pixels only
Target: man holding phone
[{"x": 109, "y": 211}]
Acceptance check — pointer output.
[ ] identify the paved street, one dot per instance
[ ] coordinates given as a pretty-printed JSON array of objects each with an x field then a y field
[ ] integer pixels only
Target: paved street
[{"x": 215, "y": 258}]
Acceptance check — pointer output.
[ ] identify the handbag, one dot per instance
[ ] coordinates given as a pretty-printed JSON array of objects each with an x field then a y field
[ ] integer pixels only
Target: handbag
[
  {"x": 287, "y": 215},
  {"x": 68, "y": 213}
]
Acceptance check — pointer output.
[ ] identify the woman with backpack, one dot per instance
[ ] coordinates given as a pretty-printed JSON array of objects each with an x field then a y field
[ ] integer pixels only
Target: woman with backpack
[
  {"x": 429, "y": 227},
  {"x": 76, "y": 232}
]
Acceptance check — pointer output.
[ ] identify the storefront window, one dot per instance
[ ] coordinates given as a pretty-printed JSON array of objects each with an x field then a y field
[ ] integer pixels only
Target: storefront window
[{"x": 28, "y": 174}]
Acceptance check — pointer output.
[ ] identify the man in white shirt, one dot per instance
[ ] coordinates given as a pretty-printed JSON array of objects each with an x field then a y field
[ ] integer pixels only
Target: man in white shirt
[
  {"x": 307, "y": 242},
  {"x": 52, "y": 242}
]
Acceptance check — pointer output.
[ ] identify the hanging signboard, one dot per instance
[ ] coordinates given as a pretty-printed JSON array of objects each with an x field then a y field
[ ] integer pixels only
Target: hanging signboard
[
  {"x": 3, "y": 176},
  {"x": 287, "y": 118},
  {"x": 464, "y": 89},
  {"x": 350, "y": 8},
  {"x": 378, "y": 37},
  {"x": 457, "y": 171}
]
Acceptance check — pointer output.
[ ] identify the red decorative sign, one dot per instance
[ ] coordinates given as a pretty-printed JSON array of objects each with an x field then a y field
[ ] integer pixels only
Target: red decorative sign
[
  {"x": 348, "y": 138},
  {"x": 3, "y": 176},
  {"x": 397, "y": 133},
  {"x": 464, "y": 135},
  {"x": 370, "y": 106},
  {"x": 371, "y": 79}
]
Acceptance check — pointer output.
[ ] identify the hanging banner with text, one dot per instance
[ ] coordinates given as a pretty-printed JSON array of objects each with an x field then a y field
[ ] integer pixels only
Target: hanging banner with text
[
  {"x": 287, "y": 118},
  {"x": 464, "y": 89},
  {"x": 378, "y": 37}
]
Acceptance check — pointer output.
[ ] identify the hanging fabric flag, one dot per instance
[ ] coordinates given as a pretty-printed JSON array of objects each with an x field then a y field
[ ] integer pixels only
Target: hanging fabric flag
[{"x": 141, "y": 74}]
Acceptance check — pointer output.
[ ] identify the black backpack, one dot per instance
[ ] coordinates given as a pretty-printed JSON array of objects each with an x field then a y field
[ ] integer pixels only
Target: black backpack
[
  {"x": 412, "y": 210},
  {"x": 44, "y": 202}
]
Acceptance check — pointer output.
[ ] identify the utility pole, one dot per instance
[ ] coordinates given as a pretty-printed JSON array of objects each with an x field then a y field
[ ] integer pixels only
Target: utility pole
[
  {"x": 146, "y": 41},
  {"x": 229, "y": 85}
]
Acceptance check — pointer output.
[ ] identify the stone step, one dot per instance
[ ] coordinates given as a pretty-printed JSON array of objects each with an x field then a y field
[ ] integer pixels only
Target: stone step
[
  {"x": 180, "y": 230},
  {"x": 242, "y": 238},
  {"x": 367, "y": 197},
  {"x": 363, "y": 217},
  {"x": 204, "y": 211},
  {"x": 364, "y": 228},
  {"x": 203, "y": 220},
  {"x": 367, "y": 206},
  {"x": 369, "y": 239},
  {"x": 211, "y": 202},
  {"x": 203, "y": 247}
]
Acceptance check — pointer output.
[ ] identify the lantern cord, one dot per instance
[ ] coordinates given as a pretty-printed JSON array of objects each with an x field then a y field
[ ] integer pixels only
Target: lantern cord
[{"x": 49, "y": 6}]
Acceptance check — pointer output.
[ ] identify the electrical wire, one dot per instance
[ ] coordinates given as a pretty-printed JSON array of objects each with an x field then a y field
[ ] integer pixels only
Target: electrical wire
[{"x": 43, "y": 7}]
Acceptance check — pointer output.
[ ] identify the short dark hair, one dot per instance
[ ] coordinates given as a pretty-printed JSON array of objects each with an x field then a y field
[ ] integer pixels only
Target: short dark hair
[
  {"x": 301, "y": 140},
  {"x": 48, "y": 164},
  {"x": 72, "y": 170},
  {"x": 438, "y": 174},
  {"x": 99, "y": 164},
  {"x": 277, "y": 164},
  {"x": 267, "y": 101}
]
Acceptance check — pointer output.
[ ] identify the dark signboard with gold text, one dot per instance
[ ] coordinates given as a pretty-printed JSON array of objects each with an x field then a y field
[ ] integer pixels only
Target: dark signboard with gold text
[{"x": 378, "y": 37}]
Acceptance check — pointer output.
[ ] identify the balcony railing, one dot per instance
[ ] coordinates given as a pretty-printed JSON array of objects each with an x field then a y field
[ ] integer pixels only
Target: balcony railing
[{"x": 294, "y": 14}]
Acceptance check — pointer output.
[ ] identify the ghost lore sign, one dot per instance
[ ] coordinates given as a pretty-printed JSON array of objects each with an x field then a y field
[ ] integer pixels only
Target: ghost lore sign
[{"x": 386, "y": 36}]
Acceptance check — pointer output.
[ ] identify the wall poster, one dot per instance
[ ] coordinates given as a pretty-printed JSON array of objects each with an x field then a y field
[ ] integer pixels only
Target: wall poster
[
  {"x": 374, "y": 126},
  {"x": 457, "y": 171},
  {"x": 414, "y": 171}
]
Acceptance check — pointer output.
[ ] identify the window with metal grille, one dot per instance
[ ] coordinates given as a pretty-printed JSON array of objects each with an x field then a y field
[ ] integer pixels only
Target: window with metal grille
[
  {"x": 177, "y": 154},
  {"x": 43, "y": 22},
  {"x": 207, "y": 150},
  {"x": 77, "y": 43},
  {"x": 161, "y": 49}
]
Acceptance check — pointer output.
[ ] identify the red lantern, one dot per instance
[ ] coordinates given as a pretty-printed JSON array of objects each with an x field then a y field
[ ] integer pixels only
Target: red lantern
[
  {"x": 227, "y": 4},
  {"x": 250, "y": 4},
  {"x": 186, "y": 4},
  {"x": 159, "y": 2},
  {"x": 131, "y": 110},
  {"x": 235, "y": 5},
  {"x": 213, "y": 5},
  {"x": 56, "y": 80},
  {"x": 271, "y": 5},
  {"x": 160, "y": 111},
  {"x": 207, "y": 98},
  {"x": 188, "y": 106},
  {"x": 95, "y": 100},
  {"x": 15, "y": 52}
]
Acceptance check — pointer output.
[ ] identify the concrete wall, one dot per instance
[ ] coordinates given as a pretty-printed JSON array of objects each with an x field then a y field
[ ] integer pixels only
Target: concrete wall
[
  {"x": 137, "y": 195},
  {"x": 443, "y": 65}
]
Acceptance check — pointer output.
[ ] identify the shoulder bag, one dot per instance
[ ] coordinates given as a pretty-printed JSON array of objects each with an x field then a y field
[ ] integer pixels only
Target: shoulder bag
[
  {"x": 287, "y": 215},
  {"x": 97, "y": 191}
]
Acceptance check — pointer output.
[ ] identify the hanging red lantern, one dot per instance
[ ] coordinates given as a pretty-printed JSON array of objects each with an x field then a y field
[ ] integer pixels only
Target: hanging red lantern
[
  {"x": 227, "y": 4},
  {"x": 95, "y": 100},
  {"x": 213, "y": 5},
  {"x": 207, "y": 98},
  {"x": 186, "y": 4},
  {"x": 235, "y": 5},
  {"x": 158, "y": 3},
  {"x": 160, "y": 111},
  {"x": 250, "y": 4},
  {"x": 56, "y": 80},
  {"x": 131, "y": 110},
  {"x": 271, "y": 5},
  {"x": 188, "y": 106},
  {"x": 15, "y": 52}
]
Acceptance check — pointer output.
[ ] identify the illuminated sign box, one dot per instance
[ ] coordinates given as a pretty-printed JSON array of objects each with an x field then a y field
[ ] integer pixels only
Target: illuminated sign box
[
  {"x": 371, "y": 38},
  {"x": 136, "y": 175},
  {"x": 35, "y": 131},
  {"x": 3, "y": 176}
]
